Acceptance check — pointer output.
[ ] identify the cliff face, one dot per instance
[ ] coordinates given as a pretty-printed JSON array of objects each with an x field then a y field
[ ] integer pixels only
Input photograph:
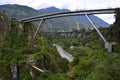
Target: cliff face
[{"x": 4, "y": 24}]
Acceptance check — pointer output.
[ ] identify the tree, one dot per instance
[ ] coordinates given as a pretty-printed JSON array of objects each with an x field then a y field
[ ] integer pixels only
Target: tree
[{"x": 114, "y": 29}]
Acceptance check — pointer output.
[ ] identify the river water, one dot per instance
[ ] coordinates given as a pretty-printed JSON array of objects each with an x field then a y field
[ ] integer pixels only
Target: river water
[{"x": 64, "y": 54}]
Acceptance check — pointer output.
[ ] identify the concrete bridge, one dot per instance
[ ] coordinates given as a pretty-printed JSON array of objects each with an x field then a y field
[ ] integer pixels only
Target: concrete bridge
[
  {"x": 42, "y": 18},
  {"x": 73, "y": 13}
]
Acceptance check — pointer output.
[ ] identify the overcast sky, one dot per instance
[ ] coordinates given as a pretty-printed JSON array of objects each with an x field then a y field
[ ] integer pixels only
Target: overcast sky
[{"x": 69, "y": 4}]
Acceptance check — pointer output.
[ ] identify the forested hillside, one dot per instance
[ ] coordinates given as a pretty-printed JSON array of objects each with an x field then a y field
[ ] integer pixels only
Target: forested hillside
[
  {"x": 17, "y": 48},
  {"x": 17, "y": 11}
]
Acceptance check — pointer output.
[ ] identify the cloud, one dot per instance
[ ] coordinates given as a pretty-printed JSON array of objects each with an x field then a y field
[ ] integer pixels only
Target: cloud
[
  {"x": 69, "y": 4},
  {"x": 109, "y": 18}
]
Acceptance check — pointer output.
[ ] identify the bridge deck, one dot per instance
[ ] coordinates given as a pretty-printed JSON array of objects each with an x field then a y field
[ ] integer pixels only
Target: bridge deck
[{"x": 73, "y": 13}]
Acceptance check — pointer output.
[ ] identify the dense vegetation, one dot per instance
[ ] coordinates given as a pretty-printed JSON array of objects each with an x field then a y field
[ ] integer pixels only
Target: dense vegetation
[
  {"x": 17, "y": 47},
  {"x": 91, "y": 60}
]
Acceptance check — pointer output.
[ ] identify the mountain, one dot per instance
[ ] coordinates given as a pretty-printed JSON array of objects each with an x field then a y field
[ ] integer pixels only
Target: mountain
[
  {"x": 61, "y": 23},
  {"x": 53, "y": 9},
  {"x": 55, "y": 24},
  {"x": 83, "y": 19},
  {"x": 18, "y": 11},
  {"x": 98, "y": 21}
]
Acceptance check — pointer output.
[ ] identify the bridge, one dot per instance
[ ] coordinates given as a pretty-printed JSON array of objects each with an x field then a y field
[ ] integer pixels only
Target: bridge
[
  {"x": 73, "y": 13},
  {"x": 44, "y": 17}
]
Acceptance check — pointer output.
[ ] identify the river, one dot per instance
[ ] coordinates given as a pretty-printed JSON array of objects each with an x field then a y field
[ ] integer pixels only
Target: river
[{"x": 64, "y": 54}]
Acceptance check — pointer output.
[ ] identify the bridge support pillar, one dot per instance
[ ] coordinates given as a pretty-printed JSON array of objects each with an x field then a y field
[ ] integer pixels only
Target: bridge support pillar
[
  {"x": 20, "y": 25},
  {"x": 108, "y": 45},
  {"x": 39, "y": 25}
]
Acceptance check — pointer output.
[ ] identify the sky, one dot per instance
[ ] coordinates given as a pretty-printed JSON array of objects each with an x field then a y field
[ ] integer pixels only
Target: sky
[{"x": 70, "y": 4}]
